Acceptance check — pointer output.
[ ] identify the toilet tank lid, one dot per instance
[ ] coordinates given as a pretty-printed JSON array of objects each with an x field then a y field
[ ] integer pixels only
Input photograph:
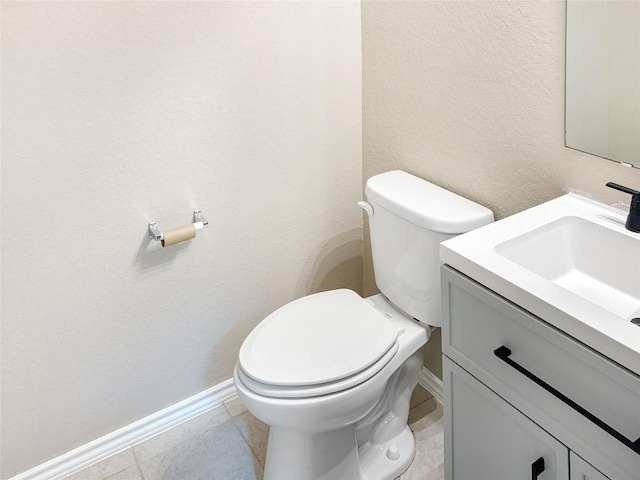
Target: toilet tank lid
[{"x": 425, "y": 204}]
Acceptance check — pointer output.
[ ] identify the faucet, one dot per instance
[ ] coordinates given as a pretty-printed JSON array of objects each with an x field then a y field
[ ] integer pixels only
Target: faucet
[{"x": 633, "y": 219}]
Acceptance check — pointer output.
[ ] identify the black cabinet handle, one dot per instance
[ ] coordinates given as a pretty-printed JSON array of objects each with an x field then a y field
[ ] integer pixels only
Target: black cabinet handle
[
  {"x": 537, "y": 468},
  {"x": 503, "y": 354}
]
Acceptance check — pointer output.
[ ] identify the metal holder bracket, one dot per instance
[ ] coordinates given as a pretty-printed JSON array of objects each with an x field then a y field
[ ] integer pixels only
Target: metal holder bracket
[{"x": 197, "y": 217}]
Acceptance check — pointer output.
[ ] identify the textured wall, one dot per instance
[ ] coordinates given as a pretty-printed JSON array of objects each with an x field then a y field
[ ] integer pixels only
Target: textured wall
[
  {"x": 115, "y": 113},
  {"x": 470, "y": 95}
]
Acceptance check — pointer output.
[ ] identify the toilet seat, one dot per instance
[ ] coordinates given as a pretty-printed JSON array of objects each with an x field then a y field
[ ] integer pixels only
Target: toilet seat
[
  {"x": 306, "y": 391},
  {"x": 315, "y": 345}
]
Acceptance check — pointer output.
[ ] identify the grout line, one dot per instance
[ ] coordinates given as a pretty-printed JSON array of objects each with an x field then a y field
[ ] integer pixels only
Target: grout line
[
  {"x": 137, "y": 462},
  {"x": 227, "y": 410},
  {"x": 140, "y": 471},
  {"x": 135, "y": 456}
]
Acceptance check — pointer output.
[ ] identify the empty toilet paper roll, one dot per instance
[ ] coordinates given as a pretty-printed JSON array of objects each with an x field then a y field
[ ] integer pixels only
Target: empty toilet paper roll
[{"x": 177, "y": 235}]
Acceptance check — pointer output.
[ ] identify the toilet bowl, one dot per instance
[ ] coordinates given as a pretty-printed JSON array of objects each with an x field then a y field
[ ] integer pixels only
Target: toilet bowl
[
  {"x": 361, "y": 418},
  {"x": 332, "y": 373}
]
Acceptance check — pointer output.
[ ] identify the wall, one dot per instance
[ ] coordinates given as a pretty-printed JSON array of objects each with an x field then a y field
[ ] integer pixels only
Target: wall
[
  {"x": 117, "y": 113},
  {"x": 470, "y": 95}
]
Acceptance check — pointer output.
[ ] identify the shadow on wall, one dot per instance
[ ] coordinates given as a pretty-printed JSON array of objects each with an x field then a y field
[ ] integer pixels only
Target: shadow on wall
[{"x": 336, "y": 264}]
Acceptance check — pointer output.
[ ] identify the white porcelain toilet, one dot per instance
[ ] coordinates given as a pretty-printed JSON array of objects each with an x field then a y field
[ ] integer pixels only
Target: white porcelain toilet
[{"x": 332, "y": 373}]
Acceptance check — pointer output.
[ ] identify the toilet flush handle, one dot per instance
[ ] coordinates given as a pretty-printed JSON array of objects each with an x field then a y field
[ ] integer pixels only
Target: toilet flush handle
[{"x": 367, "y": 207}]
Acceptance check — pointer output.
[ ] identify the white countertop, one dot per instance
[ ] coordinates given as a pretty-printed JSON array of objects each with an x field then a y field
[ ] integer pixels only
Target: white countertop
[{"x": 474, "y": 255}]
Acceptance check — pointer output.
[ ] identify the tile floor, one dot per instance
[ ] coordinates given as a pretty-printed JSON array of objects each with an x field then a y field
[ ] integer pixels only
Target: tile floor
[{"x": 228, "y": 443}]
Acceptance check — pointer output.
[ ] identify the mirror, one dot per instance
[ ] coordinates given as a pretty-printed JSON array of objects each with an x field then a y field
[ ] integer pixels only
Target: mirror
[{"x": 602, "y": 98}]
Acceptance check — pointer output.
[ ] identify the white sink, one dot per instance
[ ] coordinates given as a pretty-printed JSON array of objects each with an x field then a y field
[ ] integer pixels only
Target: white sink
[
  {"x": 569, "y": 261},
  {"x": 595, "y": 262}
]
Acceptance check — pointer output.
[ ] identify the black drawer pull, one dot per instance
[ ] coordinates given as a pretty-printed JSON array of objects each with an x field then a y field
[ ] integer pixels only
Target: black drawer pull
[
  {"x": 503, "y": 354},
  {"x": 537, "y": 468}
]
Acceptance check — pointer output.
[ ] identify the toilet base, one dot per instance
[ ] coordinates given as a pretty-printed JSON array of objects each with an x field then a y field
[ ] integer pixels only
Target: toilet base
[
  {"x": 303, "y": 456},
  {"x": 378, "y": 447},
  {"x": 375, "y": 463},
  {"x": 335, "y": 455}
]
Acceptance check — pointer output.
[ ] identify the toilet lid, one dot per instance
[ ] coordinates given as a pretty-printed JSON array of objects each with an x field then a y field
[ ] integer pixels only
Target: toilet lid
[
  {"x": 317, "y": 339},
  {"x": 305, "y": 391}
]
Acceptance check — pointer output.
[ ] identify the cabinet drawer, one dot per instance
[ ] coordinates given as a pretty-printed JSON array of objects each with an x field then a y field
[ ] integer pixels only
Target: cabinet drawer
[{"x": 477, "y": 322}]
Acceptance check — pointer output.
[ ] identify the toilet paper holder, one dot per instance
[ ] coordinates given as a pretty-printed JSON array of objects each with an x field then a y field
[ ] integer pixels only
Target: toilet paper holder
[{"x": 199, "y": 222}]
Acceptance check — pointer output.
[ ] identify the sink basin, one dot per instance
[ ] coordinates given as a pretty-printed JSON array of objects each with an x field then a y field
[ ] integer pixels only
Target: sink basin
[
  {"x": 569, "y": 261},
  {"x": 597, "y": 263}
]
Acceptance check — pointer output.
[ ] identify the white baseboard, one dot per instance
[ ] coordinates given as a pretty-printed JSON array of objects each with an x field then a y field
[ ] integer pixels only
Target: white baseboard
[
  {"x": 132, "y": 434},
  {"x": 145, "y": 428},
  {"x": 431, "y": 384}
]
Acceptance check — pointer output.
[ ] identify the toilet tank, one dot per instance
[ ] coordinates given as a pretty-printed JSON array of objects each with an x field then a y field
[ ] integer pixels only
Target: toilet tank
[{"x": 409, "y": 219}]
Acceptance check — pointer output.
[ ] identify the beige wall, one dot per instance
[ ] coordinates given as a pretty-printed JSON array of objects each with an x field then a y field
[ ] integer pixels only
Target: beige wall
[
  {"x": 470, "y": 95},
  {"x": 117, "y": 113}
]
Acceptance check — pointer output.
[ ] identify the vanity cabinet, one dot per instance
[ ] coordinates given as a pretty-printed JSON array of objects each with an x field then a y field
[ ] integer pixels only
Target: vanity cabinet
[{"x": 518, "y": 390}]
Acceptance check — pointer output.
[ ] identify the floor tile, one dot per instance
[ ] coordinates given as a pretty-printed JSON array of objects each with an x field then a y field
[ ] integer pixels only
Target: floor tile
[
  {"x": 429, "y": 460},
  {"x": 180, "y": 433},
  {"x": 432, "y": 413},
  {"x": 107, "y": 467},
  {"x": 228, "y": 443},
  {"x": 218, "y": 454},
  {"x": 419, "y": 395},
  {"x": 131, "y": 473},
  {"x": 422, "y": 410},
  {"x": 235, "y": 407},
  {"x": 234, "y": 458},
  {"x": 186, "y": 460},
  {"x": 437, "y": 473},
  {"x": 255, "y": 433},
  {"x": 428, "y": 431}
]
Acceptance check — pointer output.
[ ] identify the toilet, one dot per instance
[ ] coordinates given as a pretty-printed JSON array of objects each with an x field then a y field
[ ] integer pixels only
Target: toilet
[{"x": 332, "y": 373}]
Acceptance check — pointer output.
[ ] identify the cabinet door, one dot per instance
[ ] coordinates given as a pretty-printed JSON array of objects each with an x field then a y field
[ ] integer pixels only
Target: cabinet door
[
  {"x": 488, "y": 439},
  {"x": 581, "y": 470}
]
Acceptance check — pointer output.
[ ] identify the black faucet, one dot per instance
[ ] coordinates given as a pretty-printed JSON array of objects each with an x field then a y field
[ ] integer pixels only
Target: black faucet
[{"x": 633, "y": 220}]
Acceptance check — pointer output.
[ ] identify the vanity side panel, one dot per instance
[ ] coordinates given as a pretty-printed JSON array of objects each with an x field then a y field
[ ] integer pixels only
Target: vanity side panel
[{"x": 477, "y": 321}]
